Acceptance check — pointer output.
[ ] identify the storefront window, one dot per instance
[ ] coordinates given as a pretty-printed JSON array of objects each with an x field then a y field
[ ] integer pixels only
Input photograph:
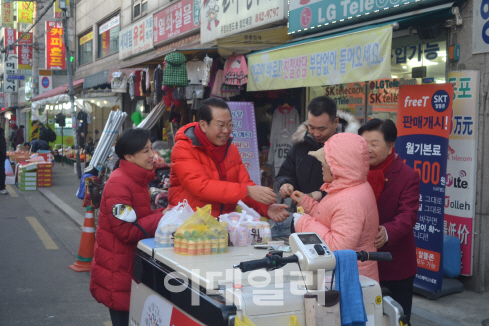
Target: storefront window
[
  {"x": 85, "y": 48},
  {"x": 108, "y": 37}
]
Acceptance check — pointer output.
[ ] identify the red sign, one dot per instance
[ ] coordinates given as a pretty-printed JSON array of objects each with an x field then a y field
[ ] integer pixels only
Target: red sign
[
  {"x": 175, "y": 20},
  {"x": 105, "y": 43},
  {"x": 55, "y": 51},
  {"x": 25, "y": 51},
  {"x": 428, "y": 259},
  {"x": 10, "y": 38}
]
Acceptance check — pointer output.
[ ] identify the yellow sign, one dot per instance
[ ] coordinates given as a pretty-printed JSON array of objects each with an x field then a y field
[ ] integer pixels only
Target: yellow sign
[
  {"x": 25, "y": 11},
  {"x": 86, "y": 38},
  {"x": 358, "y": 56}
]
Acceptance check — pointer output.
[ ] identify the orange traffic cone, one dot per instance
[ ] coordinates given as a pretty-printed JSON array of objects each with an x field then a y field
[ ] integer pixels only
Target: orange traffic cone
[{"x": 83, "y": 261}]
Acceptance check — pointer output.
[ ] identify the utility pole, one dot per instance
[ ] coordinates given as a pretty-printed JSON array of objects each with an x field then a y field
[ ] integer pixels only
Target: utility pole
[
  {"x": 64, "y": 7},
  {"x": 35, "y": 55}
]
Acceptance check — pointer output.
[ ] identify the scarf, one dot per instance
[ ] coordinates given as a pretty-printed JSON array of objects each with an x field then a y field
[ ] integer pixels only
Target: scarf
[
  {"x": 376, "y": 175},
  {"x": 217, "y": 152}
]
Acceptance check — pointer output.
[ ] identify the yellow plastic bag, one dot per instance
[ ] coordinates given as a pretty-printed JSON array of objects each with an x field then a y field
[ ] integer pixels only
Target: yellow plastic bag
[
  {"x": 293, "y": 321},
  {"x": 201, "y": 234},
  {"x": 245, "y": 322}
]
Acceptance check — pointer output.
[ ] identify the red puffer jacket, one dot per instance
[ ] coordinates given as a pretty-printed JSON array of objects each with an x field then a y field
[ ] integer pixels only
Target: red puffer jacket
[
  {"x": 113, "y": 261},
  {"x": 195, "y": 176}
]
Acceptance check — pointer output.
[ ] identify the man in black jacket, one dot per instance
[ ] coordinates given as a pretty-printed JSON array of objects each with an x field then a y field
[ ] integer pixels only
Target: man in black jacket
[
  {"x": 3, "y": 156},
  {"x": 301, "y": 171}
]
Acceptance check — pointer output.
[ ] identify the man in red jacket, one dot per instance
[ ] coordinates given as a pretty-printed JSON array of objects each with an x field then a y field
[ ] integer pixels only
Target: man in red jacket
[{"x": 207, "y": 168}]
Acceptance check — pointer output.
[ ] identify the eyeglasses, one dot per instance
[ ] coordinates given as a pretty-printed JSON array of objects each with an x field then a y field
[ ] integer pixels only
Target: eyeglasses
[{"x": 221, "y": 126}]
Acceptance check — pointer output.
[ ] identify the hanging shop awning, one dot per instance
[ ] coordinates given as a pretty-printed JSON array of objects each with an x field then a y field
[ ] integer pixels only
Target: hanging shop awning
[
  {"x": 96, "y": 80},
  {"x": 361, "y": 54},
  {"x": 253, "y": 41},
  {"x": 59, "y": 90}
]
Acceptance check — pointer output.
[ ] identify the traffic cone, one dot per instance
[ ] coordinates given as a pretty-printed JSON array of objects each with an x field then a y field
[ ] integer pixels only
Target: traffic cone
[{"x": 83, "y": 261}]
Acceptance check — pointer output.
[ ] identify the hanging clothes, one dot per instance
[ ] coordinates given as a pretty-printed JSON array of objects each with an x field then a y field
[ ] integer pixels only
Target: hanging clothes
[
  {"x": 195, "y": 71},
  {"x": 158, "y": 83},
  {"x": 143, "y": 83},
  {"x": 219, "y": 80},
  {"x": 284, "y": 123},
  {"x": 207, "y": 71},
  {"x": 214, "y": 69},
  {"x": 236, "y": 70},
  {"x": 137, "y": 82},
  {"x": 175, "y": 73},
  {"x": 119, "y": 81},
  {"x": 132, "y": 86}
]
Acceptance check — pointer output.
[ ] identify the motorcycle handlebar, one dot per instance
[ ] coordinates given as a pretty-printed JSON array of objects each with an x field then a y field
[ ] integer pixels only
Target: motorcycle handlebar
[{"x": 273, "y": 260}]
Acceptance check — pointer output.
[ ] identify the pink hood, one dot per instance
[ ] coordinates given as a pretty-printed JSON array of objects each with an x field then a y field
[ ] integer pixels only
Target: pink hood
[{"x": 348, "y": 158}]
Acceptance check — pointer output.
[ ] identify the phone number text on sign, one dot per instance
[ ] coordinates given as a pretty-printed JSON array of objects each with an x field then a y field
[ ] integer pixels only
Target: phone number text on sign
[{"x": 264, "y": 15}]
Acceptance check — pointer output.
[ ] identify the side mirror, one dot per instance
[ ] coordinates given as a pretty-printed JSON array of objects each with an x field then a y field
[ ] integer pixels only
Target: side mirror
[
  {"x": 124, "y": 213},
  {"x": 127, "y": 214}
]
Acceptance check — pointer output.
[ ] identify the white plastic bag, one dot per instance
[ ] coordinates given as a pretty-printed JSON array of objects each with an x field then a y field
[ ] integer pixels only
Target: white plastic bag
[
  {"x": 8, "y": 168},
  {"x": 245, "y": 230},
  {"x": 165, "y": 232}
]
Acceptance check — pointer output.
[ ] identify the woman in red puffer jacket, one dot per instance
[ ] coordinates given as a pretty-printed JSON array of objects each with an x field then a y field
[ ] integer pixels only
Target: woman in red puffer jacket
[{"x": 113, "y": 260}]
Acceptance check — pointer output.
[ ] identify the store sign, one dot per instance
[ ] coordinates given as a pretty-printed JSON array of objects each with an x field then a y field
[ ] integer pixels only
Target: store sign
[
  {"x": 358, "y": 56},
  {"x": 188, "y": 41},
  {"x": 480, "y": 27},
  {"x": 55, "y": 51},
  {"x": 110, "y": 24},
  {"x": 25, "y": 51},
  {"x": 25, "y": 12},
  {"x": 245, "y": 137},
  {"x": 7, "y": 14},
  {"x": 45, "y": 81},
  {"x": 10, "y": 59},
  {"x": 423, "y": 123},
  {"x": 306, "y": 14},
  {"x": 175, "y": 20},
  {"x": 136, "y": 38},
  {"x": 462, "y": 164},
  {"x": 86, "y": 38},
  {"x": 222, "y": 19}
]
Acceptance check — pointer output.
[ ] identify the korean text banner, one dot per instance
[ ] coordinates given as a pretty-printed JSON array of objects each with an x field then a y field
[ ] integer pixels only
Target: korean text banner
[
  {"x": 25, "y": 11},
  {"x": 176, "y": 20},
  {"x": 9, "y": 38},
  {"x": 25, "y": 51},
  {"x": 136, "y": 38},
  {"x": 348, "y": 58},
  {"x": 7, "y": 14},
  {"x": 245, "y": 137},
  {"x": 423, "y": 122},
  {"x": 225, "y": 18},
  {"x": 462, "y": 164},
  {"x": 55, "y": 51}
]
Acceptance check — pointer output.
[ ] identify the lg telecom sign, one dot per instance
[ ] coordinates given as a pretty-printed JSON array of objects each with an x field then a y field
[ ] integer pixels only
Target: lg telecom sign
[{"x": 480, "y": 32}]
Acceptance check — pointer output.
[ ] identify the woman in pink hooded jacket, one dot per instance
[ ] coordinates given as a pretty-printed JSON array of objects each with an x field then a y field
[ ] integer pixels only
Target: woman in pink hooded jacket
[{"x": 347, "y": 217}]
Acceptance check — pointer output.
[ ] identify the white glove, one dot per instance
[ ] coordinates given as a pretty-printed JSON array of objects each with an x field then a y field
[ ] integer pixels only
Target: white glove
[{"x": 296, "y": 218}]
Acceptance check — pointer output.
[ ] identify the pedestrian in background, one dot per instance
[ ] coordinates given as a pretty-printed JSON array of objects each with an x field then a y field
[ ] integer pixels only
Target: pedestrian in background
[
  {"x": 38, "y": 144},
  {"x": 396, "y": 188},
  {"x": 19, "y": 136},
  {"x": 11, "y": 139},
  {"x": 113, "y": 260},
  {"x": 3, "y": 157}
]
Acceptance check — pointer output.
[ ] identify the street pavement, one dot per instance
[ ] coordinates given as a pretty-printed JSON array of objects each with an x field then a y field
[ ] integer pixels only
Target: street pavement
[
  {"x": 37, "y": 287},
  {"x": 37, "y": 243}
]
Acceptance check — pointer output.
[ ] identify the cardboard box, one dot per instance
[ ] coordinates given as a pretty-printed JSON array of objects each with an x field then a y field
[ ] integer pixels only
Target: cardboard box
[
  {"x": 44, "y": 185},
  {"x": 16, "y": 158},
  {"x": 28, "y": 167},
  {"x": 27, "y": 174},
  {"x": 45, "y": 165},
  {"x": 27, "y": 188},
  {"x": 27, "y": 183},
  {"x": 22, "y": 178}
]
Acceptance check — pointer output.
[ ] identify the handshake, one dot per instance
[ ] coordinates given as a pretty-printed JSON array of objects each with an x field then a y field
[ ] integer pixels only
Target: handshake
[{"x": 287, "y": 190}]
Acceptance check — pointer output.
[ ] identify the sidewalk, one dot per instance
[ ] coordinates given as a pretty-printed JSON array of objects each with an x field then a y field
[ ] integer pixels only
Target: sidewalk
[
  {"x": 460, "y": 309},
  {"x": 63, "y": 193}
]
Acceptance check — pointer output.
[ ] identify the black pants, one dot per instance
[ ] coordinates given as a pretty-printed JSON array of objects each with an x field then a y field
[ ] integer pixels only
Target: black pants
[
  {"x": 119, "y": 318},
  {"x": 402, "y": 292},
  {"x": 2, "y": 174}
]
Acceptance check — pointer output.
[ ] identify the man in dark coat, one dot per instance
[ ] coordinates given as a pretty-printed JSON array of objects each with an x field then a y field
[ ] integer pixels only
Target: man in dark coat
[
  {"x": 3, "y": 156},
  {"x": 301, "y": 171},
  {"x": 19, "y": 136}
]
